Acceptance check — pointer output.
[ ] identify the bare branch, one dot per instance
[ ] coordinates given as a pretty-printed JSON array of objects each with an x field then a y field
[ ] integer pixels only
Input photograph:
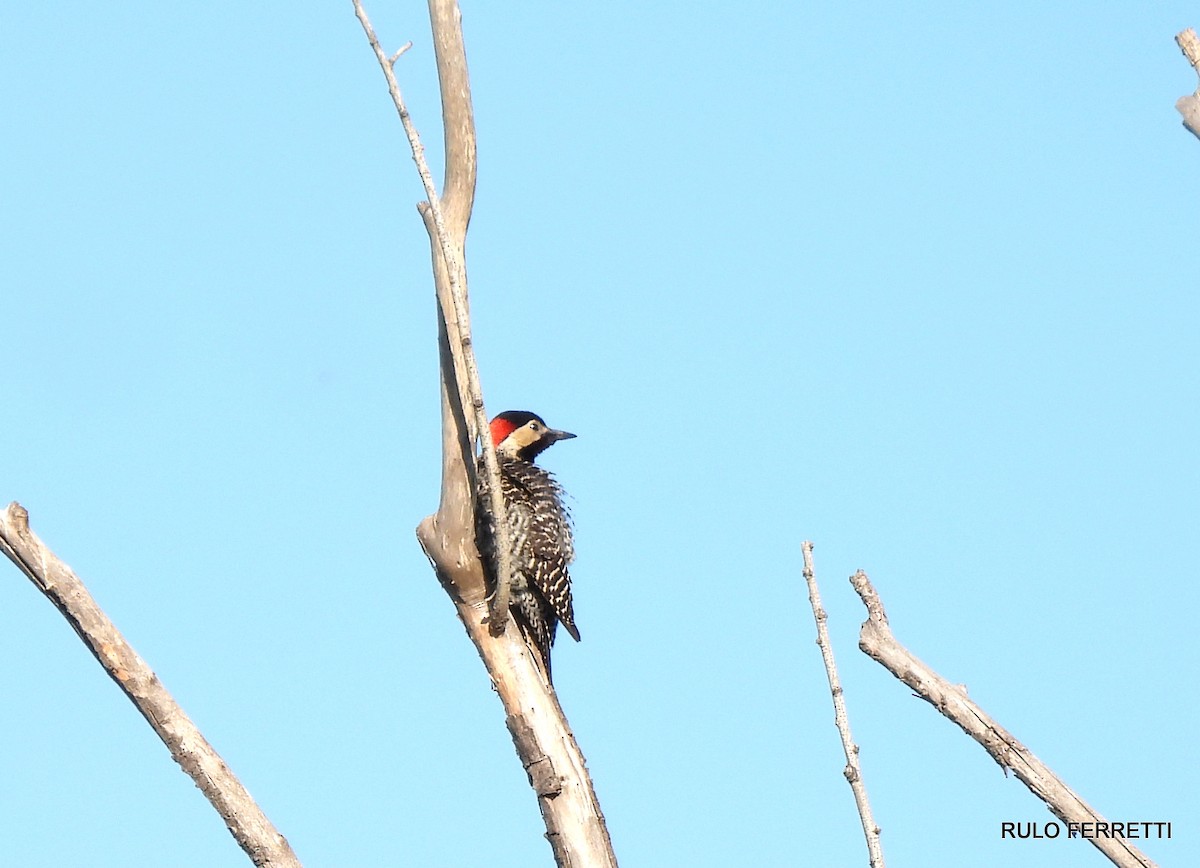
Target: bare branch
[
  {"x": 551, "y": 757},
  {"x": 877, "y": 641},
  {"x": 556, "y": 767},
  {"x": 403, "y": 48},
  {"x": 452, "y": 259},
  {"x": 1189, "y": 106},
  {"x": 853, "y": 772},
  {"x": 244, "y": 819}
]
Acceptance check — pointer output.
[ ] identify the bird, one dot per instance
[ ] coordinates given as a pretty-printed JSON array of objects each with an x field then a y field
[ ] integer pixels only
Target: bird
[{"x": 539, "y": 530}]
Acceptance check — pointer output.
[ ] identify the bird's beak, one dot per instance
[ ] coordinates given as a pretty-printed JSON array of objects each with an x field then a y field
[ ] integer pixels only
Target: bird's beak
[{"x": 554, "y": 436}]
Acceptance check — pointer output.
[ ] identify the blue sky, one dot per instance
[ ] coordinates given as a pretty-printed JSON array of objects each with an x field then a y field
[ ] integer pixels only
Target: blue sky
[{"x": 917, "y": 283}]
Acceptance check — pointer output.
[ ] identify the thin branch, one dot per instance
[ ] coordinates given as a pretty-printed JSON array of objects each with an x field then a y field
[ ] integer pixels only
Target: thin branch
[
  {"x": 852, "y": 772},
  {"x": 454, "y": 270},
  {"x": 403, "y": 48},
  {"x": 1189, "y": 106},
  {"x": 878, "y": 642},
  {"x": 245, "y": 820}
]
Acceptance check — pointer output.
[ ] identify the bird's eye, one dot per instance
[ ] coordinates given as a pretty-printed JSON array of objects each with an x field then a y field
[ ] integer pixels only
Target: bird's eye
[{"x": 534, "y": 426}]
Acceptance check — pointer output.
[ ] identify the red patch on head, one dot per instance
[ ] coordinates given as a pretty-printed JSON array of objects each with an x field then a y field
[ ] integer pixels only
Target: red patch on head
[{"x": 501, "y": 428}]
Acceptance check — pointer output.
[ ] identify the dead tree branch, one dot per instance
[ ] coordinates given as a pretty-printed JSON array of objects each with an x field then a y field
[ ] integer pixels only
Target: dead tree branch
[
  {"x": 448, "y": 249},
  {"x": 244, "y": 819},
  {"x": 1189, "y": 106},
  {"x": 878, "y": 642},
  {"x": 547, "y": 748},
  {"x": 852, "y": 772}
]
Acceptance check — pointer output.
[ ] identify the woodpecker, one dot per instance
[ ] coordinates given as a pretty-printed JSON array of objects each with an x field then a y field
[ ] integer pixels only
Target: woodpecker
[{"x": 539, "y": 529}]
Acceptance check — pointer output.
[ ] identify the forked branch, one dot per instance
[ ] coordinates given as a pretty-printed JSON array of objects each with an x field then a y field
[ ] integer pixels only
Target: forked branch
[
  {"x": 245, "y": 820},
  {"x": 557, "y": 772},
  {"x": 877, "y": 641},
  {"x": 451, "y": 250}
]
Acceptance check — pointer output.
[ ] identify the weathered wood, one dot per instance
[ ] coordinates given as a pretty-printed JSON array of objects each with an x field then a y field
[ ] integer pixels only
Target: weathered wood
[
  {"x": 951, "y": 700},
  {"x": 558, "y": 774},
  {"x": 247, "y": 823}
]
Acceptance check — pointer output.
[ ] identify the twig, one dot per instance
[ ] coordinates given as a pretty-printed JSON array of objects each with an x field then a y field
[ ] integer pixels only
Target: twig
[
  {"x": 1189, "y": 106},
  {"x": 245, "y": 820},
  {"x": 498, "y": 612},
  {"x": 852, "y": 771},
  {"x": 403, "y": 48},
  {"x": 878, "y": 642}
]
